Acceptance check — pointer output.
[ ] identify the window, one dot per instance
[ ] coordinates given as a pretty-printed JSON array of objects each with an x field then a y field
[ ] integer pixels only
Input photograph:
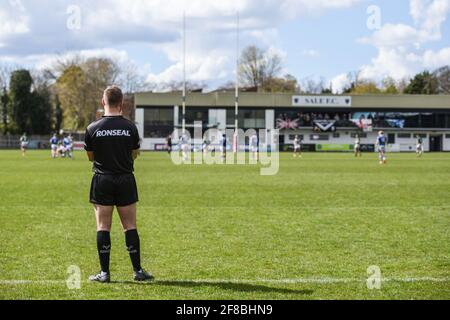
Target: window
[
  {"x": 447, "y": 136},
  {"x": 217, "y": 118},
  {"x": 361, "y": 135},
  {"x": 391, "y": 138},
  {"x": 336, "y": 135},
  {"x": 252, "y": 119},
  {"x": 292, "y": 137},
  {"x": 427, "y": 120},
  {"x": 230, "y": 118},
  {"x": 158, "y": 122},
  {"x": 404, "y": 136},
  {"x": 194, "y": 115}
]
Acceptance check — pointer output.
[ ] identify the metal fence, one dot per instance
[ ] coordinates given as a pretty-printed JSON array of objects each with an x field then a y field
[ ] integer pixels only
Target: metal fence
[{"x": 35, "y": 141}]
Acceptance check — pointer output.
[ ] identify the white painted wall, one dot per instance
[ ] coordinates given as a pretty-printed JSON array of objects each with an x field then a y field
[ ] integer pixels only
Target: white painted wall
[
  {"x": 446, "y": 143},
  {"x": 401, "y": 144},
  {"x": 139, "y": 120},
  {"x": 270, "y": 119}
]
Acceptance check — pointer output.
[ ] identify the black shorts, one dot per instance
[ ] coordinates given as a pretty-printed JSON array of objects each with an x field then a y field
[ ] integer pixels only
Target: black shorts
[{"x": 114, "y": 190}]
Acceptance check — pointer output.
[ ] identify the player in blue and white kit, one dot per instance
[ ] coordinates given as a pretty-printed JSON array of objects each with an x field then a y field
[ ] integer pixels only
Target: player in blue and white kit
[
  {"x": 68, "y": 146},
  {"x": 54, "y": 146},
  {"x": 223, "y": 146},
  {"x": 381, "y": 145}
]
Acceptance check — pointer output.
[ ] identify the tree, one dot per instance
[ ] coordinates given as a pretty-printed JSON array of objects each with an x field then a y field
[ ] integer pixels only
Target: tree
[
  {"x": 130, "y": 79},
  {"x": 286, "y": 84},
  {"x": 5, "y": 75},
  {"x": 423, "y": 83},
  {"x": 5, "y": 72},
  {"x": 79, "y": 86},
  {"x": 30, "y": 104},
  {"x": 257, "y": 66},
  {"x": 4, "y": 105},
  {"x": 390, "y": 86},
  {"x": 41, "y": 113},
  {"x": 312, "y": 86},
  {"x": 58, "y": 114},
  {"x": 72, "y": 91},
  {"x": 365, "y": 87},
  {"x": 178, "y": 86},
  {"x": 21, "y": 99},
  {"x": 99, "y": 73},
  {"x": 443, "y": 79}
]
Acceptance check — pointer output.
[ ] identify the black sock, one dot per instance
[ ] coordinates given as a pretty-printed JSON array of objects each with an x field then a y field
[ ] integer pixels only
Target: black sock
[
  {"x": 133, "y": 247},
  {"x": 104, "y": 249}
]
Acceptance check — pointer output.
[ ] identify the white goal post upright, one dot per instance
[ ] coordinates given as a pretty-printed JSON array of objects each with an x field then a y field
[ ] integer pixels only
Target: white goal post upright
[
  {"x": 236, "y": 103},
  {"x": 183, "y": 123}
]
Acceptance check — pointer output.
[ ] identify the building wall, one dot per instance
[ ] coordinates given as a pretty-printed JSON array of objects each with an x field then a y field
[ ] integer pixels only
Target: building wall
[
  {"x": 345, "y": 137},
  {"x": 273, "y": 102}
]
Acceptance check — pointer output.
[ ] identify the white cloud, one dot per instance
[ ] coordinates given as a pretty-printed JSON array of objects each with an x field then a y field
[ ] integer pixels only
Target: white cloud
[
  {"x": 211, "y": 67},
  {"x": 339, "y": 82},
  {"x": 13, "y": 19},
  {"x": 395, "y": 35},
  {"x": 43, "y": 61},
  {"x": 294, "y": 8},
  {"x": 437, "y": 59},
  {"x": 399, "y": 46},
  {"x": 36, "y": 33}
]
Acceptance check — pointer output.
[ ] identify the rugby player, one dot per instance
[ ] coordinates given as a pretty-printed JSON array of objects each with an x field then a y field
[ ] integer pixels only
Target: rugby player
[
  {"x": 419, "y": 146},
  {"x": 61, "y": 150},
  {"x": 206, "y": 146},
  {"x": 358, "y": 146},
  {"x": 381, "y": 145},
  {"x": 297, "y": 146},
  {"x": 223, "y": 146},
  {"x": 54, "y": 146},
  {"x": 24, "y": 143},
  {"x": 169, "y": 144},
  {"x": 253, "y": 146},
  {"x": 68, "y": 146},
  {"x": 112, "y": 144},
  {"x": 185, "y": 146}
]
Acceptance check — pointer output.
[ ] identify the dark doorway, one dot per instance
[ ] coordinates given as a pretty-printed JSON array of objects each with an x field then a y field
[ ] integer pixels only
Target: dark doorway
[
  {"x": 436, "y": 143},
  {"x": 391, "y": 138}
]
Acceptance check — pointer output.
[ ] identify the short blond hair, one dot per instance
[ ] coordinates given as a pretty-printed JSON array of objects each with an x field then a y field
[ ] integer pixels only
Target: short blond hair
[{"x": 113, "y": 96}]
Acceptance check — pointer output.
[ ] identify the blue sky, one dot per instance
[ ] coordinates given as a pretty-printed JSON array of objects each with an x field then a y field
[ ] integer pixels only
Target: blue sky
[{"x": 315, "y": 38}]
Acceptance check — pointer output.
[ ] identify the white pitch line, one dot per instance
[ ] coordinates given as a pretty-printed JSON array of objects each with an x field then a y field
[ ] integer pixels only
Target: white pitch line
[
  {"x": 238, "y": 207},
  {"x": 247, "y": 281}
]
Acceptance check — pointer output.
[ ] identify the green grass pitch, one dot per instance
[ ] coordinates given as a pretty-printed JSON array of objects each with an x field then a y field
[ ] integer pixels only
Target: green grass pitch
[{"x": 226, "y": 232}]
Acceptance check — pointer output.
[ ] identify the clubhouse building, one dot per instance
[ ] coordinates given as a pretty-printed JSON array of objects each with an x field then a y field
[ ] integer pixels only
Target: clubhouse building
[{"x": 326, "y": 123}]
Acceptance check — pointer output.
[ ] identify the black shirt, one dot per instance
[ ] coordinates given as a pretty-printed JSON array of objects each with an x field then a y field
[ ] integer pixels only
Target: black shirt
[{"x": 112, "y": 139}]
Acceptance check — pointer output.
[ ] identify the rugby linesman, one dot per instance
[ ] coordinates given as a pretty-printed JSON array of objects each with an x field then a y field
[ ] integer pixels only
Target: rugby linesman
[{"x": 112, "y": 144}]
